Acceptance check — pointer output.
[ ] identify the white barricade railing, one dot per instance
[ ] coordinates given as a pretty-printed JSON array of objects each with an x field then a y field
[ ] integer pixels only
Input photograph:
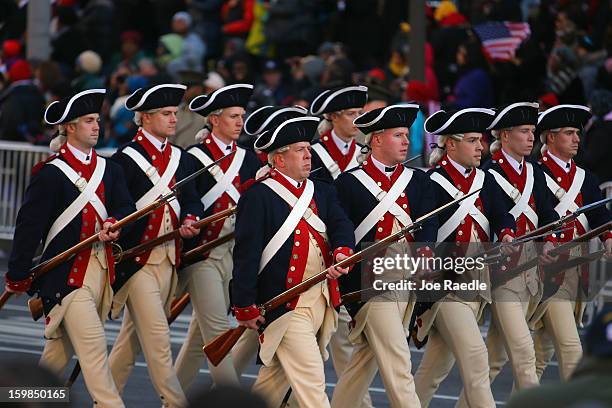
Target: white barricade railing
[
  {"x": 600, "y": 269},
  {"x": 16, "y": 162}
]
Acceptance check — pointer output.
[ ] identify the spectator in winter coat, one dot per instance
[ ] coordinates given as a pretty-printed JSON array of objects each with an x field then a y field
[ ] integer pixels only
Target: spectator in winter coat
[
  {"x": 596, "y": 144},
  {"x": 21, "y": 106},
  {"x": 474, "y": 87},
  {"x": 237, "y": 17},
  {"x": 194, "y": 50}
]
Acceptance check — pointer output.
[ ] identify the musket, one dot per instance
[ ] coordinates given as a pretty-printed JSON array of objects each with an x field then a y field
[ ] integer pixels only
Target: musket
[
  {"x": 66, "y": 255},
  {"x": 36, "y": 305},
  {"x": 554, "y": 227},
  {"x": 560, "y": 266},
  {"x": 565, "y": 247},
  {"x": 489, "y": 258},
  {"x": 121, "y": 255},
  {"x": 145, "y": 246},
  {"x": 413, "y": 158},
  {"x": 568, "y": 218},
  {"x": 221, "y": 345},
  {"x": 368, "y": 292},
  {"x": 191, "y": 255},
  {"x": 178, "y": 305}
]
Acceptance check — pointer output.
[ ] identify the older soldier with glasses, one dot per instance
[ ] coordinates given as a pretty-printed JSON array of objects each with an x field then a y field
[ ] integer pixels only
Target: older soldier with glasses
[{"x": 288, "y": 229}]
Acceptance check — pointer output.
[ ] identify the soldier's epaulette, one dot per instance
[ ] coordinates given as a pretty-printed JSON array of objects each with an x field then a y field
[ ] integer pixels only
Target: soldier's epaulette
[{"x": 38, "y": 166}]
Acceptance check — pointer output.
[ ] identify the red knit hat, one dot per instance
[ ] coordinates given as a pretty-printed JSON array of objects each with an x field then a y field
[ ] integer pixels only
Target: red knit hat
[
  {"x": 377, "y": 73},
  {"x": 10, "y": 49},
  {"x": 418, "y": 91},
  {"x": 549, "y": 100},
  {"x": 20, "y": 70}
]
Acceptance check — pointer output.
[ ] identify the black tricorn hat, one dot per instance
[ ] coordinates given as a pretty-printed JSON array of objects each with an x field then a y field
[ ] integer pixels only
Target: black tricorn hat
[
  {"x": 300, "y": 129},
  {"x": 269, "y": 117},
  {"x": 460, "y": 121},
  {"x": 228, "y": 96},
  {"x": 515, "y": 114},
  {"x": 401, "y": 115},
  {"x": 155, "y": 97},
  {"x": 560, "y": 116},
  {"x": 337, "y": 99},
  {"x": 72, "y": 107}
]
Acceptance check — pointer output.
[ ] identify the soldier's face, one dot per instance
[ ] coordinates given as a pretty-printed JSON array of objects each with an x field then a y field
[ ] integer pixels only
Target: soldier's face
[
  {"x": 467, "y": 152},
  {"x": 343, "y": 122},
  {"x": 161, "y": 123},
  {"x": 391, "y": 145},
  {"x": 519, "y": 140},
  {"x": 295, "y": 162},
  {"x": 228, "y": 124},
  {"x": 564, "y": 143},
  {"x": 86, "y": 131}
]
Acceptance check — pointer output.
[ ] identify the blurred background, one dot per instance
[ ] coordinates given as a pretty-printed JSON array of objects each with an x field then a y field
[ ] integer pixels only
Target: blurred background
[
  {"x": 440, "y": 54},
  {"x": 453, "y": 54}
]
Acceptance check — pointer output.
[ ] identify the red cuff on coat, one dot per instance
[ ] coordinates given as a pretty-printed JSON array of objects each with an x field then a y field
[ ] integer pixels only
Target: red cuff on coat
[
  {"x": 246, "y": 313},
  {"x": 605, "y": 236},
  {"x": 551, "y": 238},
  {"x": 425, "y": 252},
  {"x": 345, "y": 251},
  {"x": 504, "y": 232},
  {"x": 20, "y": 285},
  {"x": 112, "y": 220},
  {"x": 191, "y": 217}
]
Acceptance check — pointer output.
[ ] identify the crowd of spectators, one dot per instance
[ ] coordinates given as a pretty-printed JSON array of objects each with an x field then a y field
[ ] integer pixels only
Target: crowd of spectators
[{"x": 292, "y": 49}]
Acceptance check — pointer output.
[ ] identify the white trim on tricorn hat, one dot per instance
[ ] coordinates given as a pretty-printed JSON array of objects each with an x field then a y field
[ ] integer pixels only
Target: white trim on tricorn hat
[
  {"x": 551, "y": 110},
  {"x": 145, "y": 95},
  {"x": 296, "y": 108},
  {"x": 500, "y": 115},
  {"x": 554, "y": 108},
  {"x": 431, "y": 117},
  {"x": 319, "y": 96},
  {"x": 331, "y": 95},
  {"x": 214, "y": 95},
  {"x": 382, "y": 113},
  {"x": 278, "y": 130},
  {"x": 455, "y": 115},
  {"x": 69, "y": 104}
]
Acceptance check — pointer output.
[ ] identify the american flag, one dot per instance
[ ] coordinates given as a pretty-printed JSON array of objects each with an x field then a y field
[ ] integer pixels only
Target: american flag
[{"x": 500, "y": 39}]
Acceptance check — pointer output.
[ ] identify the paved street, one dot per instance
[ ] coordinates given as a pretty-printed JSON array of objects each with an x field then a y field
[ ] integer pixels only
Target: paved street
[{"x": 21, "y": 338}]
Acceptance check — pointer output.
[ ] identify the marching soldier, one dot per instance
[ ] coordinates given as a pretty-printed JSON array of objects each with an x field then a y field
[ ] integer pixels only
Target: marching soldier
[
  {"x": 530, "y": 204},
  {"x": 561, "y": 309},
  {"x": 269, "y": 118},
  {"x": 380, "y": 197},
  {"x": 207, "y": 281},
  {"x": 72, "y": 196},
  {"x": 146, "y": 283},
  {"x": 335, "y": 152},
  {"x": 451, "y": 323},
  {"x": 289, "y": 228}
]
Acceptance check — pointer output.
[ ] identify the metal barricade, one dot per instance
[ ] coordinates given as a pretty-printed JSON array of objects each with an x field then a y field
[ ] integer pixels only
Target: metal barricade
[
  {"x": 16, "y": 162},
  {"x": 601, "y": 271}
]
